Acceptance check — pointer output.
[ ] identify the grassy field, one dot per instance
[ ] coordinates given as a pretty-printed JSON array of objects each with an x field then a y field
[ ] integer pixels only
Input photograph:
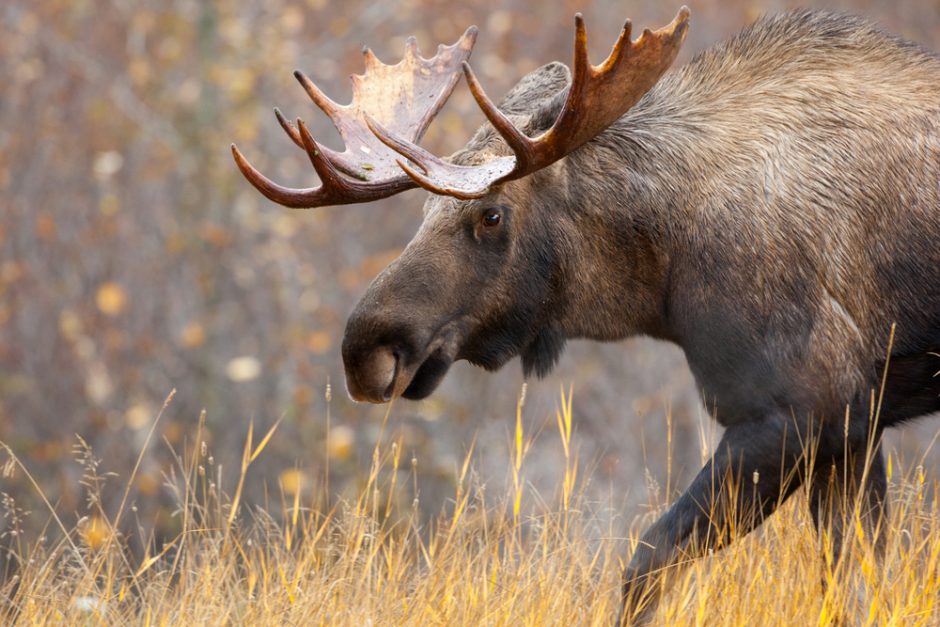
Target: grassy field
[{"x": 507, "y": 558}]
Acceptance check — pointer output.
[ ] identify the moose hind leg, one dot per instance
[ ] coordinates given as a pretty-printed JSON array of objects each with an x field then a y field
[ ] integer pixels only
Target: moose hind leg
[
  {"x": 751, "y": 472},
  {"x": 912, "y": 387}
]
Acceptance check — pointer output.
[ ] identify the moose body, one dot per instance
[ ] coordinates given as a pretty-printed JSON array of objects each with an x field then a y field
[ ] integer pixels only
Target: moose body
[{"x": 772, "y": 207}]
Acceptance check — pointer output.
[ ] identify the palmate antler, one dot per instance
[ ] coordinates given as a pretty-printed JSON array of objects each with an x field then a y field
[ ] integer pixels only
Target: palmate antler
[
  {"x": 403, "y": 97},
  {"x": 386, "y": 120}
]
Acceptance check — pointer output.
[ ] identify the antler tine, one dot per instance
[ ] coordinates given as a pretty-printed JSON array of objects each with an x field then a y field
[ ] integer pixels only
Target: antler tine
[
  {"x": 432, "y": 185},
  {"x": 329, "y": 176},
  {"x": 521, "y": 145},
  {"x": 434, "y": 168},
  {"x": 326, "y": 104},
  {"x": 411, "y": 151},
  {"x": 368, "y": 58},
  {"x": 336, "y": 159},
  {"x": 288, "y": 128},
  {"x": 581, "y": 62},
  {"x": 411, "y": 46},
  {"x": 289, "y": 197},
  {"x": 617, "y": 52}
]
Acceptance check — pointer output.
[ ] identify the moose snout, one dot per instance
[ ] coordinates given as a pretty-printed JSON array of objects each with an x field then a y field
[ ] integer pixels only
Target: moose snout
[
  {"x": 377, "y": 346},
  {"x": 386, "y": 354}
]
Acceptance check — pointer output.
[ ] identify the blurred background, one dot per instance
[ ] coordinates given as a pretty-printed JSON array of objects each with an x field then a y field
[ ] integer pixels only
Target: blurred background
[{"x": 134, "y": 259}]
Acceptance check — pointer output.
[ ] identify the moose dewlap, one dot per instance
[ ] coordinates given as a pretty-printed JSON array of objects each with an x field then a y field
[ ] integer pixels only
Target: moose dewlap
[{"x": 772, "y": 207}]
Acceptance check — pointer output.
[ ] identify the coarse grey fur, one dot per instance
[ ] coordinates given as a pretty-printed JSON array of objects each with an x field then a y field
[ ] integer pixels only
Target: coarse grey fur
[{"x": 772, "y": 207}]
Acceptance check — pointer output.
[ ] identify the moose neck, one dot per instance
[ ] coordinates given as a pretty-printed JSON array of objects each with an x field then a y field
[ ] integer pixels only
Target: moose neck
[{"x": 626, "y": 210}]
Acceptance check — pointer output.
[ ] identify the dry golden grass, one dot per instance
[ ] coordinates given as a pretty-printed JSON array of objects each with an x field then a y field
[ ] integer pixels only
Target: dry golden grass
[{"x": 518, "y": 558}]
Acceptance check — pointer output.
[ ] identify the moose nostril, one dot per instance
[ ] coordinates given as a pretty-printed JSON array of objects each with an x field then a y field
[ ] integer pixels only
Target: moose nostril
[
  {"x": 379, "y": 373},
  {"x": 391, "y": 371}
]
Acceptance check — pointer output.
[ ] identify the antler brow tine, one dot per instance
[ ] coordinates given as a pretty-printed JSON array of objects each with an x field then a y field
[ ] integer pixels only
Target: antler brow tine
[
  {"x": 294, "y": 198},
  {"x": 517, "y": 140}
]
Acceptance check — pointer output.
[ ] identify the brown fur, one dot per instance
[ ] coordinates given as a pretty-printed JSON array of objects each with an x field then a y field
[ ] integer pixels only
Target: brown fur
[{"x": 773, "y": 207}]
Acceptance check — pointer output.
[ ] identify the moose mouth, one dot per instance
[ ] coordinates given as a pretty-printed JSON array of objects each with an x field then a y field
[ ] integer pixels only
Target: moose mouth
[
  {"x": 428, "y": 376},
  {"x": 384, "y": 372}
]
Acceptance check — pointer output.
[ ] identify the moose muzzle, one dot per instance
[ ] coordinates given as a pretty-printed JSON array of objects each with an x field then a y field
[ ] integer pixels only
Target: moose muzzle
[{"x": 386, "y": 356}]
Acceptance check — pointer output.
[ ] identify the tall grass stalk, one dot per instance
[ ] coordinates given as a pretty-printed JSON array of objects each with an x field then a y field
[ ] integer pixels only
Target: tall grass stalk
[{"x": 494, "y": 556}]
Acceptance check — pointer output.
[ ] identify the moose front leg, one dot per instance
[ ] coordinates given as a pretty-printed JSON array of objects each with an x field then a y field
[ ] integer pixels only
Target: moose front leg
[
  {"x": 750, "y": 473},
  {"x": 841, "y": 483}
]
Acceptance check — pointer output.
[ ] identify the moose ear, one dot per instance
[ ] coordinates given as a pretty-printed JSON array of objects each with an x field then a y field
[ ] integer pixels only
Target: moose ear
[{"x": 539, "y": 96}]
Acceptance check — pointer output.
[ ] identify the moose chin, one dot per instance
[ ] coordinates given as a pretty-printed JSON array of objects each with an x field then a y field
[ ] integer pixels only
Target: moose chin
[{"x": 772, "y": 207}]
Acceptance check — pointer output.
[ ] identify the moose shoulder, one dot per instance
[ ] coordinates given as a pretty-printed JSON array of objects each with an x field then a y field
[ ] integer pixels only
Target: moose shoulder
[{"x": 773, "y": 207}]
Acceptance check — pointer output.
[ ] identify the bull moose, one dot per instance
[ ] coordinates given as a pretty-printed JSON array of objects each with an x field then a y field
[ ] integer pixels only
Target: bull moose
[{"x": 772, "y": 207}]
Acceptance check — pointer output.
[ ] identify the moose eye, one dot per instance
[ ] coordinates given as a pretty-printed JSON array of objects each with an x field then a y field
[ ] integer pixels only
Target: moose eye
[{"x": 491, "y": 218}]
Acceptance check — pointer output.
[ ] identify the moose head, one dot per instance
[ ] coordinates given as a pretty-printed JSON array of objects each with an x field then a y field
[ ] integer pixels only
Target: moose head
[{"x": 489, "y": 275}]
